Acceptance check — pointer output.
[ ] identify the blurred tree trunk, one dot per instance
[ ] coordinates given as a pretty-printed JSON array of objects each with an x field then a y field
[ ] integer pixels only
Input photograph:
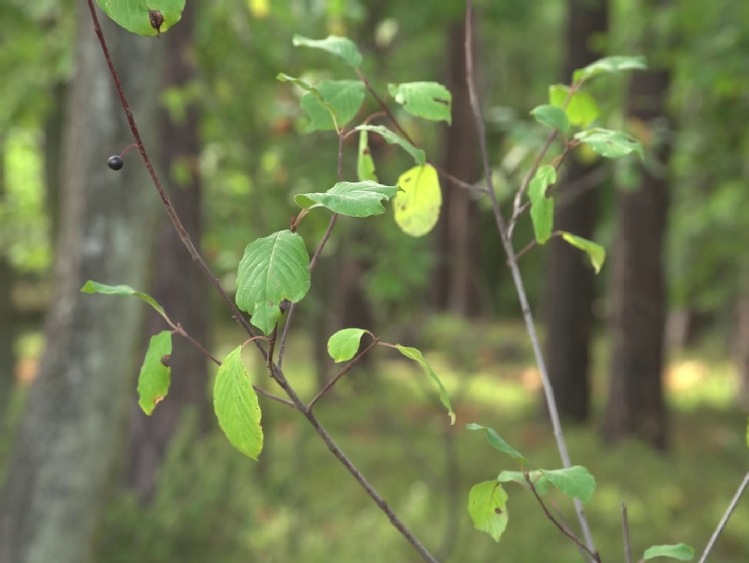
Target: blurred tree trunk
[
  {"x": 636, "y": 403},
  {"x": 569, "y": 280},
  {"x": 742, "y": 349},
  {"x": 53, "y": 139},
  {"x": 74, "y": 423},
  {"x": 177, "y": 283},
  {"x": 455, "y": 288},
  {"x": 7, "y": 317}
]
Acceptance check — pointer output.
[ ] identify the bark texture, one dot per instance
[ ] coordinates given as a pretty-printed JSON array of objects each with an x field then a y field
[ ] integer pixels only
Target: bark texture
[
  {"x": 569, "y": 281},
  {"x": 455, "y": 288},
  {"x": 636, "y": 405},
  {"x": 74, "y": 422}
]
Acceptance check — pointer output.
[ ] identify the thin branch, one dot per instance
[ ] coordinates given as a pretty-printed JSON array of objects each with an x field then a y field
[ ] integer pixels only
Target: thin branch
[
  {"x": 516, "y": 276},
  {"x": 724, "y": 520},
  {"x": 178, "y": 329},
  {"x": 517, "y": 203},
  {"x": 562, "y": 528},
  {"x": 625, "y": 533},
  {"x": 351, "y": 468},
  {"x": 173, "y": 217},
  {"x": 313, "y": 261},
  {"x": 339, "y": 375},
  {"x": 276, "y": 372}
]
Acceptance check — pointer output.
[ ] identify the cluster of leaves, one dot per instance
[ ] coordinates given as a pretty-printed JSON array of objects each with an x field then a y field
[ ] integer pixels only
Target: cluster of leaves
[
  {"x": 275, "y": 270},
  {"x": 487, "y": 501},
  {"x": 571, "y": 113}
]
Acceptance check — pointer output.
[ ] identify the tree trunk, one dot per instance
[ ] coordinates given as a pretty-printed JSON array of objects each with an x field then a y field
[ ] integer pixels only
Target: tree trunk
[
  {"x": 455, "y": 288},
  {"x": 177, "y": 283},
  {"x": 742, "y": 349},
  {"x": 74, "y": 422},
  {"x": 636, "y": 404},
  {"x": 7, "y": 318},
  {"x": 569, "y": 279}
]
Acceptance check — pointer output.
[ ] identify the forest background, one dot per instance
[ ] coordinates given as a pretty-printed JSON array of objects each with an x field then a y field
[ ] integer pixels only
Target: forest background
[{"x": 650, "y": 359}]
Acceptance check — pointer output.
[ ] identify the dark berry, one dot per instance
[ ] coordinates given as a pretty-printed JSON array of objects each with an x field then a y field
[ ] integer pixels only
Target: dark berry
[{"x": 115, "y": 162}]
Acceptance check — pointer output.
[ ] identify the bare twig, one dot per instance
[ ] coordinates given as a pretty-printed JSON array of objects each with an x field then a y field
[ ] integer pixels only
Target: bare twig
[
  {"x": 562, "y": 528},
  {"x": 724, "y": 520},
  {"x": 173, "y": 217},
  {"x": 285, "y": 333},
  {"x": 625, "y": 533},
  {"x": 516, "y": 276},
  {"x": 340, "y": 374}
]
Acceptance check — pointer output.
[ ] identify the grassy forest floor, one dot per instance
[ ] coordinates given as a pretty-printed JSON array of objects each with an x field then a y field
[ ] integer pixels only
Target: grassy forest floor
[{"x": 298, "y": 504}]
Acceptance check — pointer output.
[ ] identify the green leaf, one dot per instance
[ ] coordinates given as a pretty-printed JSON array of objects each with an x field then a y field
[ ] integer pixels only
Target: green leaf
[
  {"x": 236, "y": 406},
  {"x": 581, "y": 109},
  {"x": 596, "y": 253},
  {"x": 497, "y": 442},
  {"x": 542, "y": 207},
  {"x": 609, "y": 65},
  {"x": 416, "y": 355},
  {"x": 155, "y": 373},
  {"x": 123, "y": 290},
  {"x": 344, "y": 344},
  {"x": 428, "y": 100},
  {"x": 417, "y": 205},
  {"x": 273, "y": 269},
  {"x": 338, "y": 103},
  {"x": 552, "y": 116},
  {"x": 680, "y": 551},
  {"x": 365, "y": 166},
  {"x": 341, "y": 47},
  {"x": 354, "y": 199},
  {"x": 536, "y": 476},
  {"x": 393, "y": 138},
  {"x": 487, "y": 505},
  {"x": 575, "y": 481},
  {"x": 610, "y": 144},
  {"x": 135, "y": 15}
]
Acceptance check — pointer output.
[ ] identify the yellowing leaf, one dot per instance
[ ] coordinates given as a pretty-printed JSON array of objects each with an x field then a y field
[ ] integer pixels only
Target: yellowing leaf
[
  {"x": 259, "y": 8},
  {"x": 417, "y": 205}
]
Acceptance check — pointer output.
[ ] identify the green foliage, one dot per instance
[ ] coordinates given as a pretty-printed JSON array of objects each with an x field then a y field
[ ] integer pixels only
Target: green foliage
[
  {"x": 575, "y": 481},
  {"x": 609, "y": 65},
  {"x": 596, "y": 253},
  {"x": 552, "y": 116},
  {"x": 679, "y": 551},
  {"x": 416, "y": 355},
  {"x": 273, "y": 269},
  {"x": 343, "y": 345},
  {"x": 542, "y": 206},
  {"x": 610, "y": 144},
  {"x": 341, "y": 100},
  {"x": 136, "y": 15},
  {"x": 341, "y": 47},
  {"x": 581, "y": 109},
  {"x": 92, "y": 287},
  {"x": 417, "y": 206},
  {"x": 330, "y": 104},
  {"x": 487, "y": 505},
  {"x": 365, "y": 166},
  {"x": 393, "y": 138},
  {"x": 428, "y": 100},
  {"x": 354, "y": 199},
  {"x": 497, "y": 442},
  {"x": 156, "y": 371},
  {"x": 236, "y": 406}
]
